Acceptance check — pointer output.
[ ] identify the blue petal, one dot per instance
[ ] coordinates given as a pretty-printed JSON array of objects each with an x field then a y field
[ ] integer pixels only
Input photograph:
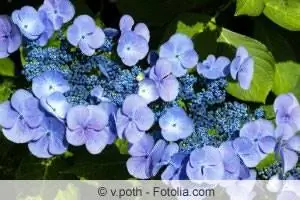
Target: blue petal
[
  {"x": 142, "y": 30},
  {"x": 143, "y": 118},
  {"x": 169, "y": 88},
  {"x": 245, "y": 73},
  {"x": 8, "y": 116},
  {"x": 18, "y": 99},
  {"x": 136, "y": 167},
  {"x": 289, "y": 159},
  {"x": 126, "y": 23},
  {"x": 132, "y": 103},
  {"x": 153, "y": 162},
  {"x": 40, "y": 147},
  {"x": 96, "y": 141},
  {"x": 132, "y": 133},
  {"x": 294, "y": 143},
  {"x": 143, "y": 147},
  {"x": 148, "y": 90}
]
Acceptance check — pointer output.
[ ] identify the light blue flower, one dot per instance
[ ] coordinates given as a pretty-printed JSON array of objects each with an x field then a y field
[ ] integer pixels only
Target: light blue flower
[
  {"x": 175, "y": 124},
  {"x": 212, "y": 67},
  {"x": 179, "y": 50}
]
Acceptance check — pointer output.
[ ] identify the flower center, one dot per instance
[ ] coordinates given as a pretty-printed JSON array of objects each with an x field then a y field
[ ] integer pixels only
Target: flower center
[
  {"x": 286, "y": 118},
  {"x": 55, "y": 12},
  {"x": 83, "y": 37},
  {"x": 25, "y": 26}
]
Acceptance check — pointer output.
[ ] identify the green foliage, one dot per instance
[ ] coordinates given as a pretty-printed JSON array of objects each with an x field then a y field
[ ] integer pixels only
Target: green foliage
[
  {"x": 249, "y": 7},
  {"x": 262, "y": 82},
  {"x": 6, "y": 89},
  {"x": 266, "y": 162},
  {"x": 122, "y": 145},
  {"x": 286, "y": 78},
  {"x": 7, "y": 67},
  {"x": 285, "y": 13},
  {"x": 269, "y": 112}
]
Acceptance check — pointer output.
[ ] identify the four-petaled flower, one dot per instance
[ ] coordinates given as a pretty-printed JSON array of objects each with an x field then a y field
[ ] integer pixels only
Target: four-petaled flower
[
  {"x": 133, "y": 44},
  {"x": 175, "y": 124},
  {"x": 134, "y": 118},
  {"x": 86, "y": 34},
  {"x": 212, "y": 67},
  {"x": 58, "y": 11},
  {"x": 242, "y": 68},
  {"x": 287, "y": 109},
  {"x": 288, "y": 146},
  {"x": 10, "y": 37},
  {"x": 21, "y": 118},
  {"x": 161, "y": 83},
  {"x": 88, "y": 125},
  {"x": 179, "y": 50},
  {"x": 29, "y": 22},
  {"x": 50, "y": 139},
  {"x": 205, "y": 164},
  {"x": 255, "y": 142},
  {"x": 48, "y": 83}
]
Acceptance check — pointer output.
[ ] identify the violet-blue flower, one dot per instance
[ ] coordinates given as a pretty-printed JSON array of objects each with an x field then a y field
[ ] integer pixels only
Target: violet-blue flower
[
  {"x": 175, "y": 124},
  {"x": 212, "y": 67},
  {"x": 133, "y": 44},
  {"x": 176, "y": 170},
  {"x": 242, "y": 68},
  {"x": 232, "y": 163},
  {"x": 10, "y": 36},
  {"x": 287, "y": 109},
  {"x": 49, "y": 29},
  {"x": 146, "y": 154},
  {"x": 88, "y": 125},
  {"x": 58, "y": 11},
  {"x": 161, "y": 83},
  {"x": 179, "y": 50},
  {"x": 21, "y": 118},
  {"x": 288, "y": 146},
  {"x": 205, "y": 164},
  {"x": 50, "y": 140},
  {"x": 29, "y": 22},
  {"x": 56, "y": 104},
  {"x": 134, "y": 118},
  {"x": 260, "y": 134},
  {"x": 86, "y": 34},
  {"x": 48, "y": 83}
]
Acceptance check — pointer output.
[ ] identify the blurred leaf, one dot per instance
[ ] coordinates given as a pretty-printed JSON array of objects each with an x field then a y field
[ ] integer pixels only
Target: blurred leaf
[
  {"x": 201, "y": 28},
  {"x": 275, "y": 38},
  {"x": 7, "y": 67},
  {"x": 285, "y": 13},
  {"x": 122, "y": 145},
  {"x": 33, "y": 168},
  {"x": 157, "y": 12},
  {"x": 286, "y": 77},
  {"x": 266, "y": 162},
  {"x": 70, "y": 193},
  {"x": 6, "y": 89},
  {"x": 108, "y": 165},
  {"x": 269, "y": 112},
  {"x": 262, "y": 82},
  {"x": 249, "y": 7}
]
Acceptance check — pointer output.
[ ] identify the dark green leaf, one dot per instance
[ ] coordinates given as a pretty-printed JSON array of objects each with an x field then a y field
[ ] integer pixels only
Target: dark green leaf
[
  {"x": 266, "y": 162},
  {"x": 6, "y": 89},
  {"x": 122, "y": 145}
]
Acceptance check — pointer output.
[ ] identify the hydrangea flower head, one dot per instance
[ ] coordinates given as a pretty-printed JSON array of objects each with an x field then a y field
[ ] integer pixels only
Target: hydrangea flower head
[
  {"x": 58, "y": 11},
  {"x": 179, "y": 50},
  {"x": 212, "y": 67},
  {"x": 242, "y": 68},
  {"x": 21, "y": 118},
  {"x": 85, "y": 34},
  {"x": 48, "y": 83},
  {"x": 288, "y": 146},
  {"x": 175, "y": 124},
  {"x": 205, "y": 164},
  {"x": 161, "y": 83},
  {"x": 56, "y": 104},
  {"x": 287, "y": 110},
  {"x": 133, "y": 44},
  {"x": 88, "y": 125},
  {"x": 50, "y": 140},
  {"x": 29, "y": 22},
  {"x": 134, "y": 118},
  {"x": 10, "y": 36}
]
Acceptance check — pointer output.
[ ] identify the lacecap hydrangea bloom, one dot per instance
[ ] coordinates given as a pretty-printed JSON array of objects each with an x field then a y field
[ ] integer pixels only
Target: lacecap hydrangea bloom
[{"x": 174, "y": 112}]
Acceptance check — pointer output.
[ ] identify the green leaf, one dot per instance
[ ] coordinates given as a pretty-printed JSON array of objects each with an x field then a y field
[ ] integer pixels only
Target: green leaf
[
  {"x": 286, "y": 77},
  {"x": 108, "y": 165},
  {"x": 266, "y": 162},
  {"x": 6, "y": 89},
  {"x": 285, "y": 13},
  {"x": 262, "y": 82},
  {"x": 201, "y": 28},
  {"x": 70, "y": 193},
  {"x": 269, "y": 112},
  {"x": 249, "y": 7},
  {"x": 7, "y": 67},
  {"x": 122, "y": 145},
  {"x": 275, "y": 38},
  {"x": 158, "y": 12}
]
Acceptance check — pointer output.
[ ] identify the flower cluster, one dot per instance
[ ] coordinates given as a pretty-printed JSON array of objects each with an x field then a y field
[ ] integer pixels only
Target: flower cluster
[{"x": 91, "y": 88}]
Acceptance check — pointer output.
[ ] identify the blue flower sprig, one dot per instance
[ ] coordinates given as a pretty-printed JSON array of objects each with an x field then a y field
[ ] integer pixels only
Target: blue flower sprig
[{"x": 92, "y": 89}]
